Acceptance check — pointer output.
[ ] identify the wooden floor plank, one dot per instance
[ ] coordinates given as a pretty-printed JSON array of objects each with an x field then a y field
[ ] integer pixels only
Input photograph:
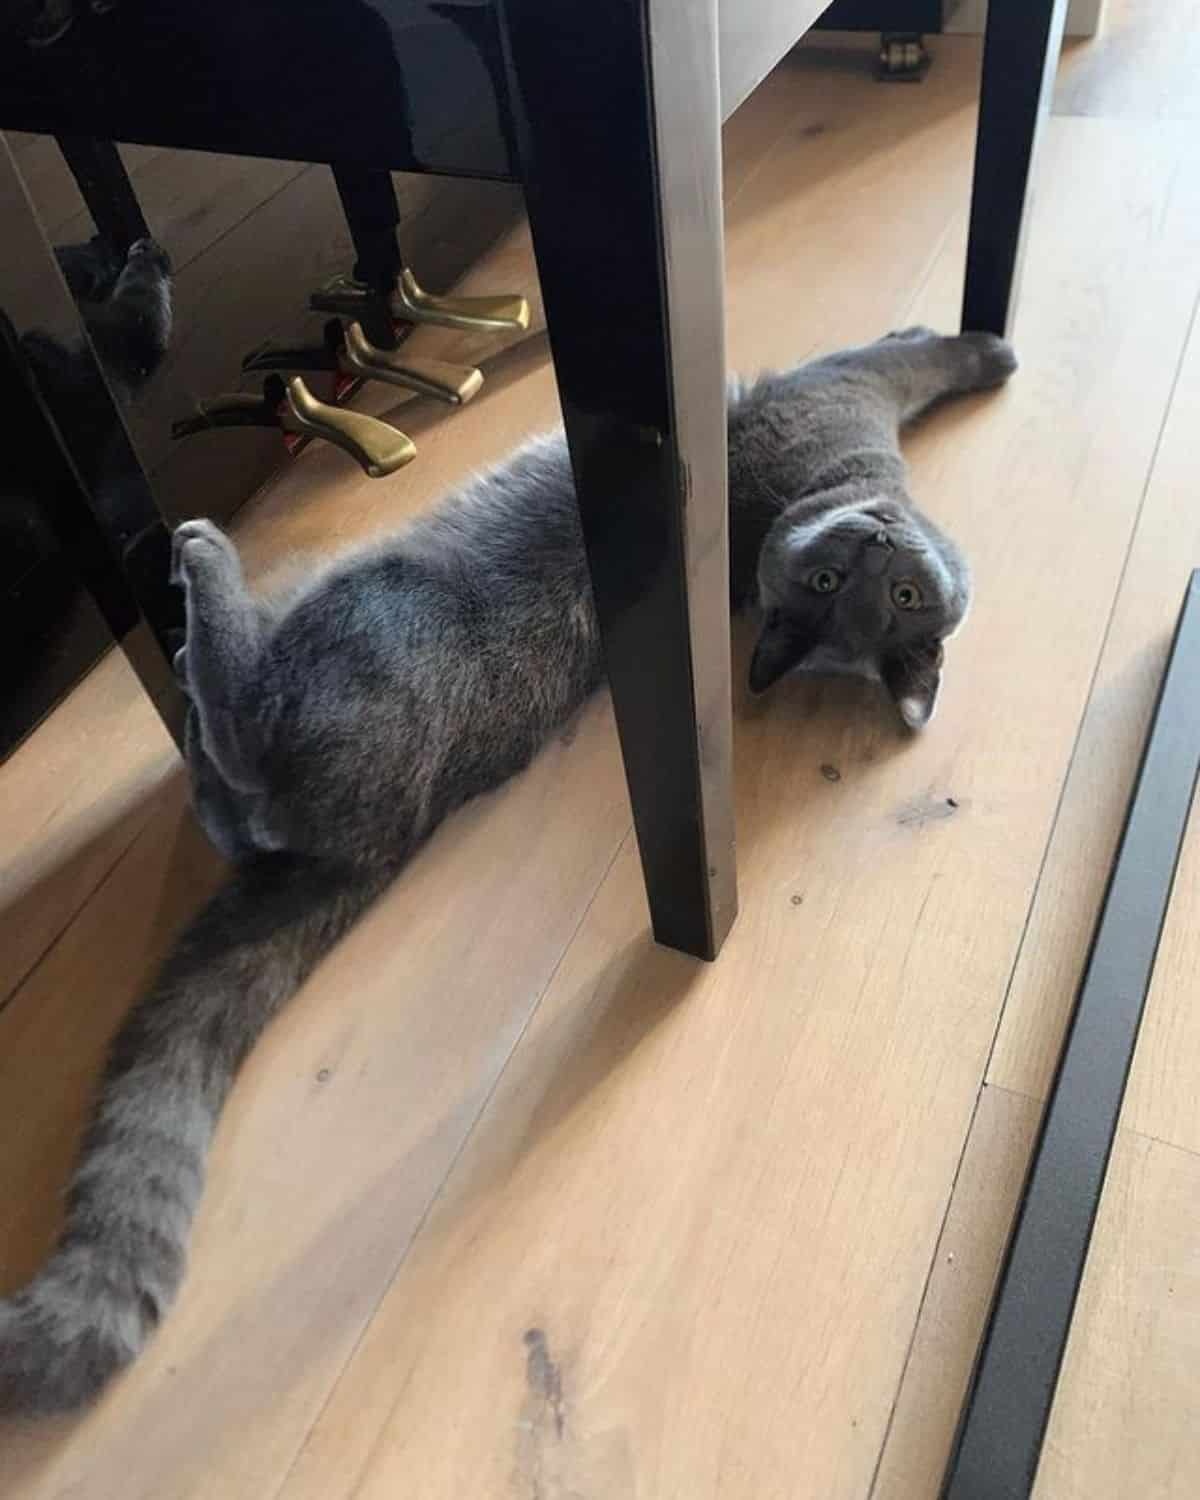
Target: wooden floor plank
[
  {"x": 847, "y": 175},
  {"x": 1162, "y": 1099},
  {"x": 1141, "y": 66},
  {"x": 957, "y": 1296},
  {"x": 72, "y": 799},
  {"x": 1124, "y": 1418}
]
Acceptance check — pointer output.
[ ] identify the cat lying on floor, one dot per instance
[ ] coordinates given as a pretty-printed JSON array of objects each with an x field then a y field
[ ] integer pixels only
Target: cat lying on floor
[{"x": 332, "y": 729}]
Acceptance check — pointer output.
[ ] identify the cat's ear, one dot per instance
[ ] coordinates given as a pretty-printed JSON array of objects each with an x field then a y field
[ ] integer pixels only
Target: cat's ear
[
  {"x": 782, "y": 645},
  {"x": 913, "y": 677}
]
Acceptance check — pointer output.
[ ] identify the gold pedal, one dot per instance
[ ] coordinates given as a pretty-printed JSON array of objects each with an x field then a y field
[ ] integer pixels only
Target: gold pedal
[
  {"x": 377, "y": 448},
  {"x": 410, "y": 304},
  {"x": 455, "y": 384}
]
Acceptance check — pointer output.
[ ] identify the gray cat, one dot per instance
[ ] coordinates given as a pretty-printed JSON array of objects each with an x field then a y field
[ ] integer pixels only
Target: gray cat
[{"x": 332, "y": 729}]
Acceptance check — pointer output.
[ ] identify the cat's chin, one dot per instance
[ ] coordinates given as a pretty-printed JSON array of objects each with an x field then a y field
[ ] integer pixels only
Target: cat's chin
[
  {"x": 823, "y": 661},
  {"x": 914, "y": 713}
]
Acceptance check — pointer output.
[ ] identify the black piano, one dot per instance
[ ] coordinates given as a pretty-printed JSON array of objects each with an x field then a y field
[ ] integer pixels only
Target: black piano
[{"x": 607, "y": 114}]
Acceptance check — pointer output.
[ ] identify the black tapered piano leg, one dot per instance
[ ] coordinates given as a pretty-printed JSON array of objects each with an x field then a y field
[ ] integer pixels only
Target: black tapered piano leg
[
  {"x": 618, "y": 125},
  {"x": 1020, "y": 57}
]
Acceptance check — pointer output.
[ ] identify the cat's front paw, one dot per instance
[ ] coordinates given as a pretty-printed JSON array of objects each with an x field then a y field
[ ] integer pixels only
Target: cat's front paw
[
  {"x": 197, "y": 544},
  {"x": 149, "y": 253},
  {"x": 991, "y": 359}
]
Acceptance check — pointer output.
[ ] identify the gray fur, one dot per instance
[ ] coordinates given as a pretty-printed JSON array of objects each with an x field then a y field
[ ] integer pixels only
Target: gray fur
[{"x": 333, "y": 728}]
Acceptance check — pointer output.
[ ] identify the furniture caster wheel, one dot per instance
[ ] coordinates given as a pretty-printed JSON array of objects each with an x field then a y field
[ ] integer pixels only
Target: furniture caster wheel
[{"x": 902, "y": 57}]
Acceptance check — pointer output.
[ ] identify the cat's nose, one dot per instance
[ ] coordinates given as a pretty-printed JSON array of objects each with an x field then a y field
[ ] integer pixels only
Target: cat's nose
[
  {"x": 877, "y": 555},
  {"x": 870, "y": 622}
]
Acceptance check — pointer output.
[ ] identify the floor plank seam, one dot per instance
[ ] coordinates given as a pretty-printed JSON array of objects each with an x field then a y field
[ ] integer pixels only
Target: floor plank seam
[
  {"x": 73, "y": 916},
  {"x": 434, "y": 1198},
  {"x": 1118, "y": 588},
  {"x": 925, "y": 276},
  {"x": 925, "y": 1288},
  {"x": 1122, "y": 1129},
  {"x": 249, "y": 214}
]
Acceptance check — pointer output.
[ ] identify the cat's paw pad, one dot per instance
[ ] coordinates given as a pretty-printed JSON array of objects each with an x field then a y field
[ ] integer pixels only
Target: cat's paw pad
[
  {"x": 198, "y": 544},
  {"x": 149, "y": 253},
  {"x": 992, "y": 359}
]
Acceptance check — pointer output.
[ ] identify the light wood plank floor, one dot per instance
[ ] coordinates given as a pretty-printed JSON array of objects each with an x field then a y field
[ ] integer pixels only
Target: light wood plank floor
[{"x": 511, "y": 1203}]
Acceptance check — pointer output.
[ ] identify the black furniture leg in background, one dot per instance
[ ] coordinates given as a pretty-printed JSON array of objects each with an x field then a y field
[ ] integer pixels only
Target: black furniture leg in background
[
  {"x": 1020, "y": 56},
  {"x": 106, "y": 189},
  {"x": 373, "y": 218},
  {"x": 999, "y": 1441},
  {"x": 618, "y": 126}
]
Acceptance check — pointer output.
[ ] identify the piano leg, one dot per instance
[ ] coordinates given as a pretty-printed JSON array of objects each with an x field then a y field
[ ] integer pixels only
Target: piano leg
[
  {"x": 1020, "y": 58},
  {"x": 618, "y": 123},
  {"x": 106, "y": 189}
]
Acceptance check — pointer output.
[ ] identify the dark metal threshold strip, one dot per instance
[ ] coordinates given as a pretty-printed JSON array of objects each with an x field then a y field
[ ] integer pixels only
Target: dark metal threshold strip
[{"x": 1007, "y": 1404}]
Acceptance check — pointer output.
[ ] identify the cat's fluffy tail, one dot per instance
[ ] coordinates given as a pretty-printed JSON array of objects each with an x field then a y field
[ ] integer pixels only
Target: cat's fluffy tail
[{"x": 121, "y": 1256}]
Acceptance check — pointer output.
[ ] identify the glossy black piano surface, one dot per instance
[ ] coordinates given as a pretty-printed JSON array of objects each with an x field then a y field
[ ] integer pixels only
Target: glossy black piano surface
[{"x": 401, "y": 83}]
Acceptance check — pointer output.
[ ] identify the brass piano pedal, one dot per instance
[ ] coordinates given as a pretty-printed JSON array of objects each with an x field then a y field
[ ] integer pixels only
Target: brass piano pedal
[
  {"x": 408, "y": 303},
  {"x": 411, "y": 304},
  {"x": 455, "y": 384},
  {"x": 377, "y": 448}
]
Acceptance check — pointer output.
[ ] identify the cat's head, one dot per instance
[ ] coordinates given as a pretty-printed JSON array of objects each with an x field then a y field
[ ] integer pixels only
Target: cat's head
[{"x": 874, "y": 586}]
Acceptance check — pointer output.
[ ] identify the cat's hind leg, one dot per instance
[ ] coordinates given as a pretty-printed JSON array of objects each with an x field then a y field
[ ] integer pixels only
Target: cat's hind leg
[
  {"x": 216, "y": 805},
  {"x": 920, "y": 367},
  {"x": 217, "y": 665},
  {"x": 905, "y": 373}
]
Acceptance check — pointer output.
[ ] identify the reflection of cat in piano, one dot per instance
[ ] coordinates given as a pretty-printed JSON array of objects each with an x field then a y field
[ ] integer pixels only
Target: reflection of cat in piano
[
  {"x": 42, "y": 22},
  {"x": 125, "y": 304}
]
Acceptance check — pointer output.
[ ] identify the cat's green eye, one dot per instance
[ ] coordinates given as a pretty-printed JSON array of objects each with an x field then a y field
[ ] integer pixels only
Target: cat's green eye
[
  {"x": 825, "y": 580},
  {"x": 906, "y": 596}
]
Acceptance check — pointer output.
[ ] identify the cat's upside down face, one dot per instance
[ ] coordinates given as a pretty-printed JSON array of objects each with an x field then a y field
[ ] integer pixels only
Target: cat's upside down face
[{"x": 870, "y": 586}]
